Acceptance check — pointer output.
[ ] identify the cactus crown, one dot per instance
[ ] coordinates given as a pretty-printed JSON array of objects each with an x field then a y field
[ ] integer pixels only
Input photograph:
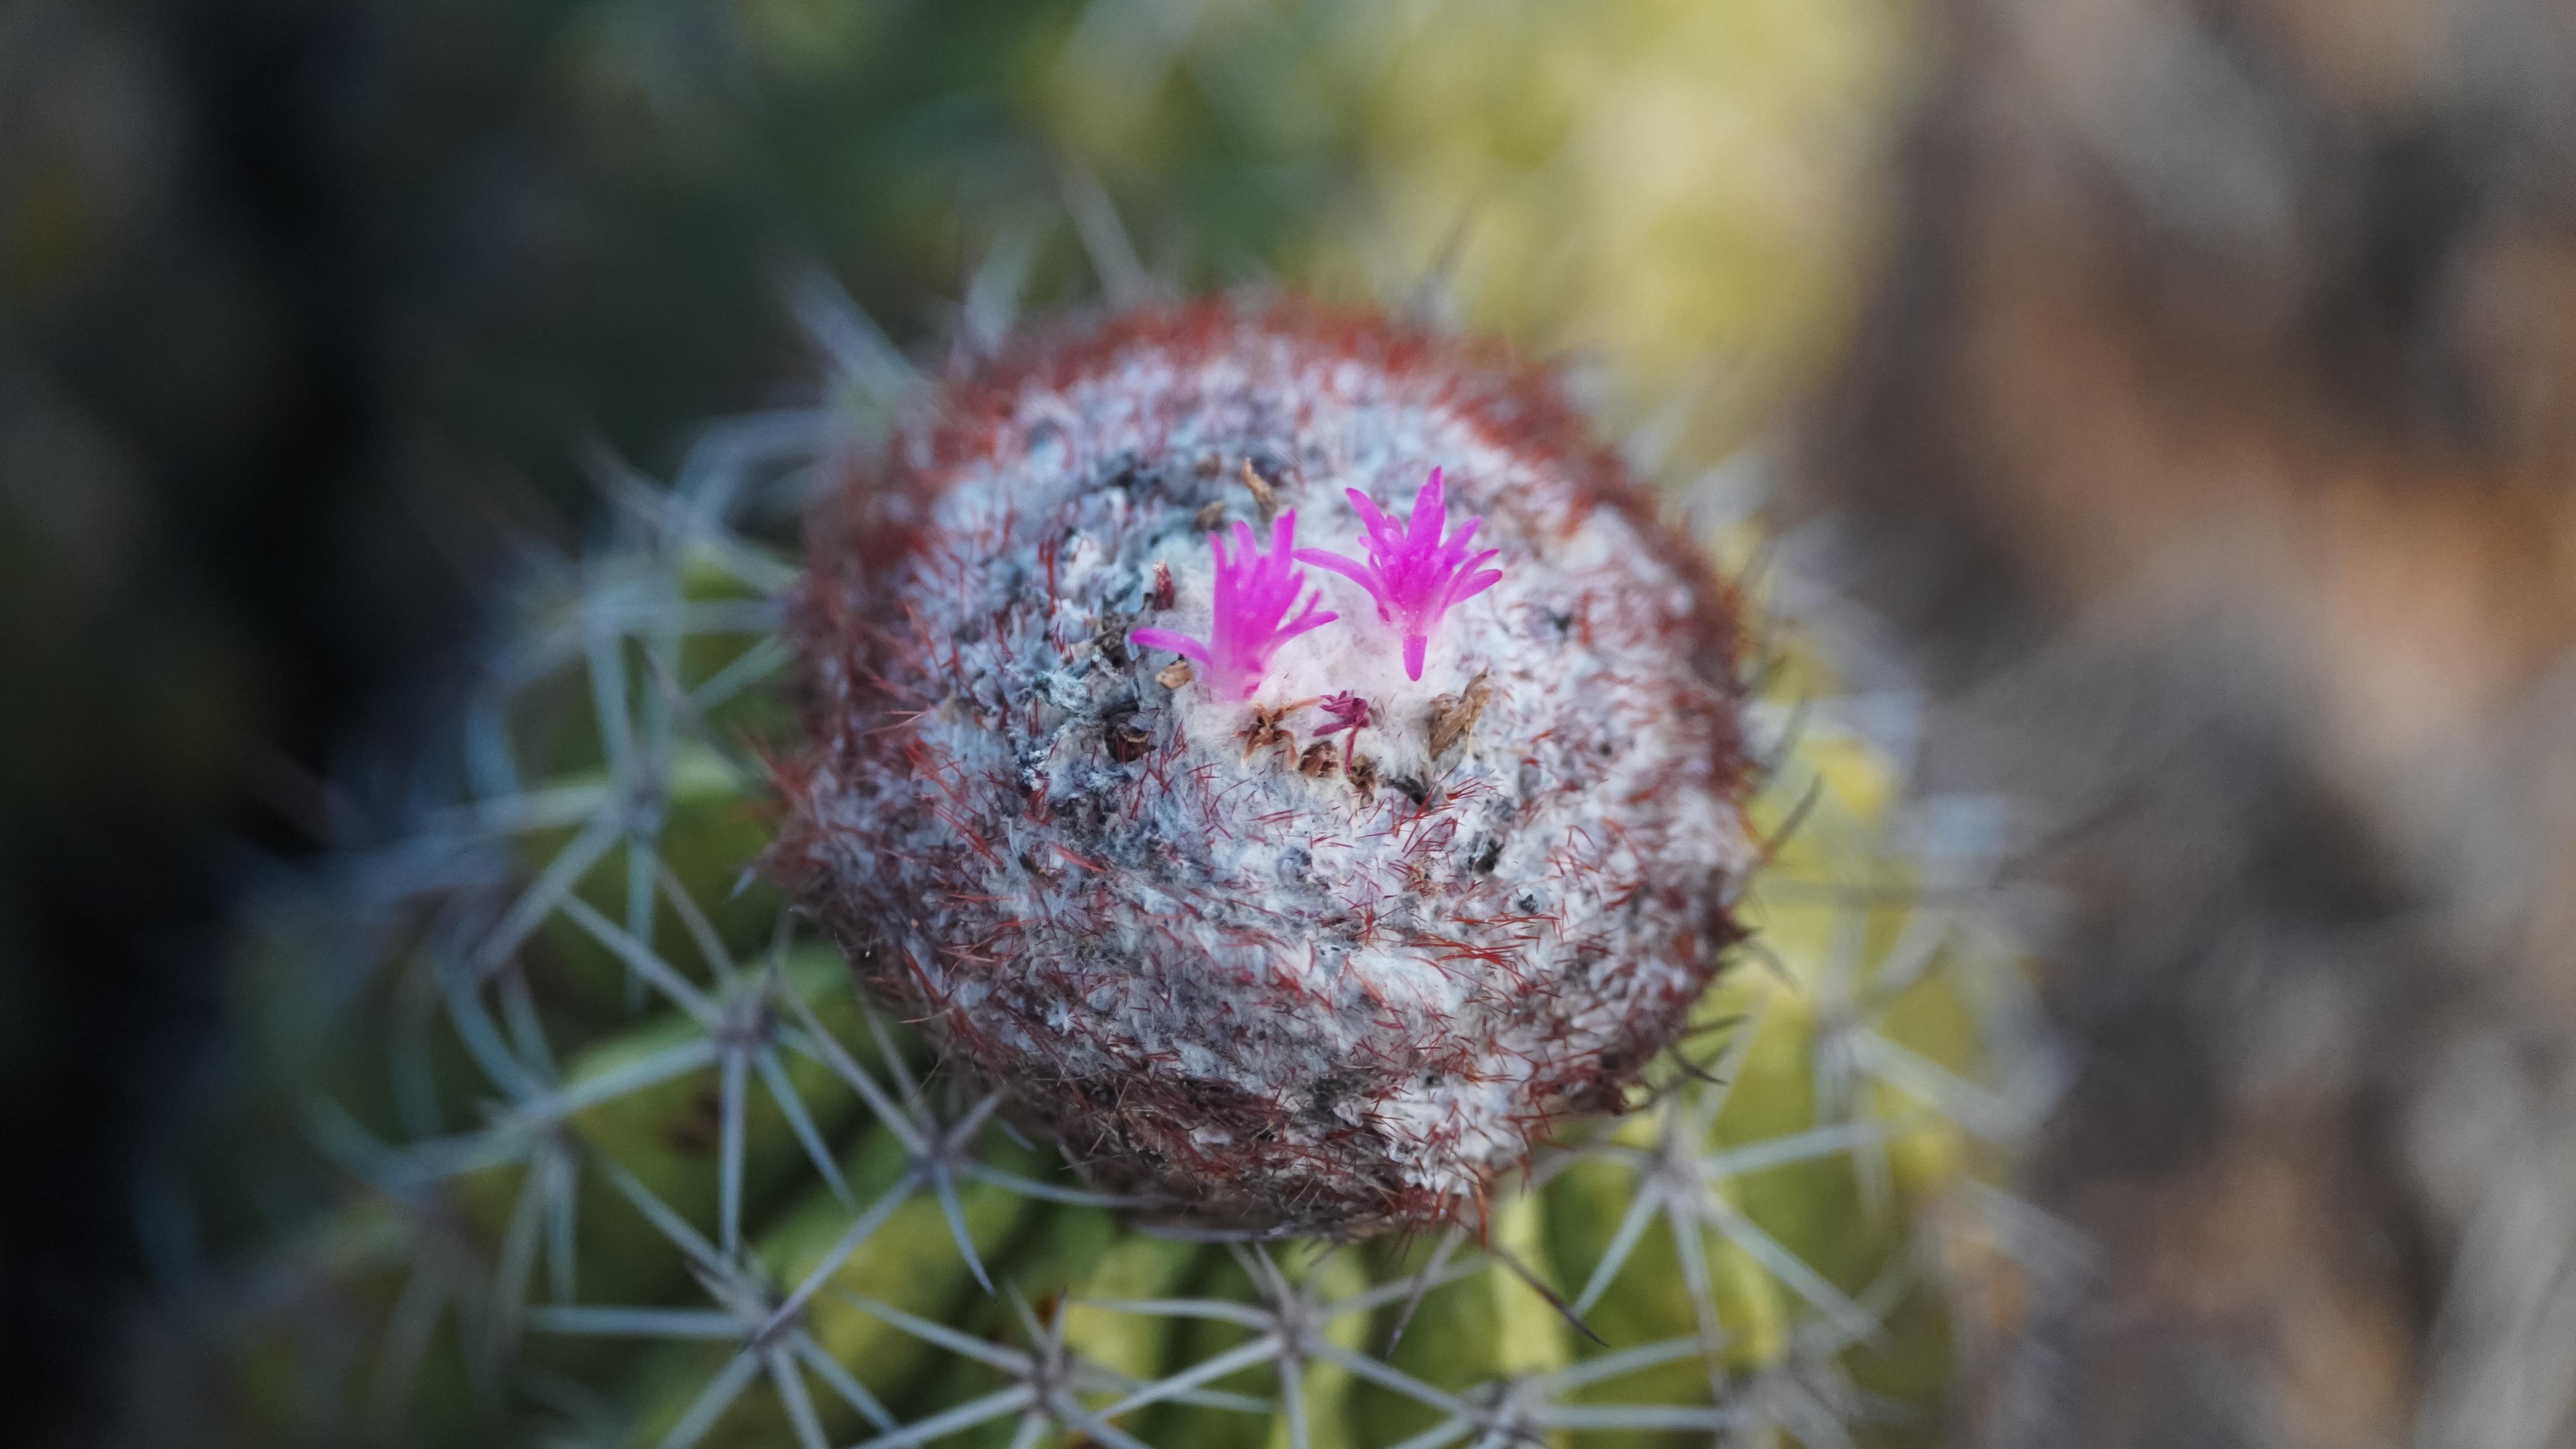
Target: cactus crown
[{"x": 1268, "y": 980}]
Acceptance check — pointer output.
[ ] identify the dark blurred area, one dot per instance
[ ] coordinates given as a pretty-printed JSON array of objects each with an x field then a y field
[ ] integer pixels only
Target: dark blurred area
[
  {"x": 307, "y": 308},
  {"x": 2210, "y": 436}
]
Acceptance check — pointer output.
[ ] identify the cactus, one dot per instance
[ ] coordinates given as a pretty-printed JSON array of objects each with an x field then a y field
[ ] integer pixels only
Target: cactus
[
  {"x": 1224, "y": 971},
  {"x": 622, "y": 1153}
]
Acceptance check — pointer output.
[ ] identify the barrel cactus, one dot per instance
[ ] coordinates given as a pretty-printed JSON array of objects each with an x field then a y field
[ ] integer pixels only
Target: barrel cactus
[
  {"x": 1218, "y": 875},
  {"x": 1227, "y": 959}
]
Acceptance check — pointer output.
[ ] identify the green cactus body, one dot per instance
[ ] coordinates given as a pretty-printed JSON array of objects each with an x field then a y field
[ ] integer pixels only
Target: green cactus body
[
  {"x": 1131, "y": 1266},
  {"x": 1487, "y": 1328},
  {"x": 544, "y": 1237},
  {"x": 1325, "y": 1388},
  {"x": 1202, "y": 1340}
]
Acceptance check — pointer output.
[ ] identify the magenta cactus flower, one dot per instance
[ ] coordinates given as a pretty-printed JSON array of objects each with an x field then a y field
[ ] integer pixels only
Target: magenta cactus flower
[
  {"x": 1415, "y": 575},
  {"x": 1253, "y": 594}
]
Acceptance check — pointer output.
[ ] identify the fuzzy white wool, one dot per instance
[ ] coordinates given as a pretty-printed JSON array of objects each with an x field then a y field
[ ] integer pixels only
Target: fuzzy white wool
[{"x": 1207, "y": 913}]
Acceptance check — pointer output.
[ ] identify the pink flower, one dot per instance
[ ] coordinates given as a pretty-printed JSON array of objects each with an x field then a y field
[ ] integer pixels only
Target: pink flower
[
  {"x": 1254, "y": 593},
  {"x": 1414, "y": 574},
  {"x": 1348, "y": 712}
]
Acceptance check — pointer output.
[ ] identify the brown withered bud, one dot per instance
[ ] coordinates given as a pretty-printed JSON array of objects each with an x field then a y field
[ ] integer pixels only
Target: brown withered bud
[
  {"x": 1267, "y": 729},
  {"x": 1127, "y": 739},
  {"x": 1453, "y": 715},
  {"x": 1264, "y": 497},
  {"x": 1363, "y": 773}
]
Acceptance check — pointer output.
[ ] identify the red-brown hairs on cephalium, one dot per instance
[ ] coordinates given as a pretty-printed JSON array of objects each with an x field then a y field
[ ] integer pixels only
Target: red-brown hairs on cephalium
[{"x": 1062, "y": 800}]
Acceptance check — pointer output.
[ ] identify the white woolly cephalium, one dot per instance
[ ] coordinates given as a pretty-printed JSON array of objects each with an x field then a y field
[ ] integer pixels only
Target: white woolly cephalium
[{"x": 1332, "y": 955}]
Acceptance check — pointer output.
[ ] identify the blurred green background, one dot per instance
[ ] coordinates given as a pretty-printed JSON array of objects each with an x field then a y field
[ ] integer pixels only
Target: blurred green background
[{"x": 311, "y": 311}]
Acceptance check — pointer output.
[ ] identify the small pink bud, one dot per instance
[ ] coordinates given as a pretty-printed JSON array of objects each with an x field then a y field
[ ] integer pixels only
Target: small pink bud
[{"x": 1347, "y": 711}]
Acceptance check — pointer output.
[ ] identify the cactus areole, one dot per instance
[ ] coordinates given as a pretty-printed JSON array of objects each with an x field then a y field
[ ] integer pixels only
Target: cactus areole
[{"x": 1281, "y": 896}]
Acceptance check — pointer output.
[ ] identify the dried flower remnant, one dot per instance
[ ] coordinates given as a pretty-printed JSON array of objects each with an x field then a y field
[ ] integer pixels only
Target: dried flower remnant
[
  {"x": 1202, "y": 949},
  {"x": 1254, "y": 594},
  {"x": 1453, "y": 715},
  {"x": 1363, "y": 773},
  {"x": 1268, "y": 729},
  {"x": 1264, "y": 497},
  {"x": 1128, "y": 739},
  {"x": 1414, "y": 574}
]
